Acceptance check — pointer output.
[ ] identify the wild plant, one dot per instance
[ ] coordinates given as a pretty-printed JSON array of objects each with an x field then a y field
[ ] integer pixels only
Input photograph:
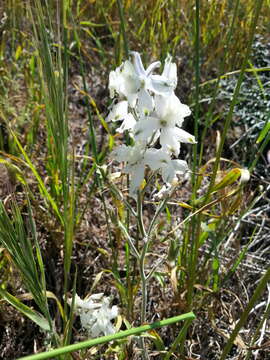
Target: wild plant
[{"x": 174, "y": 204}]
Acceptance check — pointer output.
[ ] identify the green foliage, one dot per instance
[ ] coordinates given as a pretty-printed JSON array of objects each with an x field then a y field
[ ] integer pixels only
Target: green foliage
[
  {"x": 19, "y": 242},
  {"x": 25, "y": 310}
]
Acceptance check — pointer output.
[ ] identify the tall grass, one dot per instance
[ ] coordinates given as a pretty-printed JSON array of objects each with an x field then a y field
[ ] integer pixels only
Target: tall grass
[
  {"x": 23, "y": 247},
  {"x": 53, "y": 69},
  {"x": 211, "y": 38}
]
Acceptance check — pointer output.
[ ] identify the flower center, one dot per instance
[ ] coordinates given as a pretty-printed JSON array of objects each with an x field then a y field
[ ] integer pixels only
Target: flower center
[
  {"x": 163, "y": 123},
  {"x": 142, "y": 81}
]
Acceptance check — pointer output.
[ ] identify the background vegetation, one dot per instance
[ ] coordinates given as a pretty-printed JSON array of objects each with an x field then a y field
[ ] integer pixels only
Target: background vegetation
[{"x": 60, "y": 208}]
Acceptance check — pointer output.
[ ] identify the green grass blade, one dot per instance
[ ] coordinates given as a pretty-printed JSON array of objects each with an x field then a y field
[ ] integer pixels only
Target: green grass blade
[
  {"x": 123, "y": 26},
  {"x": 179, "y": 339},
  {"x": 31, "y": 314},
  {"x": 41, "y": 184},
  {"x": 106, "y": 339},
  {"x": 264, "y": 132}
]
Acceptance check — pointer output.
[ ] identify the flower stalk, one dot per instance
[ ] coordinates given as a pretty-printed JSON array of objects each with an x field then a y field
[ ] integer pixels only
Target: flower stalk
[{"x": 152, "y": 115}]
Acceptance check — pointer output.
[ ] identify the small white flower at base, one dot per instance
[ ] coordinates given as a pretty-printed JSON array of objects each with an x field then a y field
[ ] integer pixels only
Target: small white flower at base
[{"x": 95, "y": 314}]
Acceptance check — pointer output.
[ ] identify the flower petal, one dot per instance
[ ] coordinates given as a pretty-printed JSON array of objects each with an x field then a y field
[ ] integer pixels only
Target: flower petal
[
  {"x": 170, "y": 71},
  {"x": 118, "y": 112},
  {"x": 115, "y": 82},
  {"x": 170, "y": 141},
  {"x": 145, "y": 102},
  {"x": 152, "y": 67},
  {"x": 121, "y": 153},
  {"x": 145, "y": 128},
  {"x": 161, "y": 85},
  {"x": 128, "y": 123},
  {"x": 138, "y": 65},
  {"x": 180, "y": 166},
  {"x": 156, "y": 158},
  {"x": 184, "y": 137},
  {"x": 136, "y": 179}
]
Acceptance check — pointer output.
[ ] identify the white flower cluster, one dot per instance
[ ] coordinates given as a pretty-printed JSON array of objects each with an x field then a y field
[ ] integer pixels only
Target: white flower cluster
[
  {"x": 152, "y": 114},
  {"x": 95, "y": 314}
]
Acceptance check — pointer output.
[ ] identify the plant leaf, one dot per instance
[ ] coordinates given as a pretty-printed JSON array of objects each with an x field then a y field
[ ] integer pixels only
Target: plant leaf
[{"x": 24, "y": 309}]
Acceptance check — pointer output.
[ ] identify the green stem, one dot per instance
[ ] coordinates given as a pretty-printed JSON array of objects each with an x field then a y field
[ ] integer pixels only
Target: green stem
[
  {"x": 259, "y": 152},
  {"x": 123, "y": 30},
  {"x": 119, "y": 196},
  {"x": 197, "y": 95},
  {"x": 146, "y": 239},
  {"x": 140, "y": 216},
  {"x": 144, "y": 284},
  {"x": 157, "y": 213},
  {"x": 192, "y": 227},
  {"x": 130, "y": 242},
  {"x": 141, "y": 268},
  {"x": 105, "y": 339}
]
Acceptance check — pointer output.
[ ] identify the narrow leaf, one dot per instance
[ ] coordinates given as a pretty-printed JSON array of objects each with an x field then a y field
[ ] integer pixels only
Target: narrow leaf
[{"x": 24, "y": 309}]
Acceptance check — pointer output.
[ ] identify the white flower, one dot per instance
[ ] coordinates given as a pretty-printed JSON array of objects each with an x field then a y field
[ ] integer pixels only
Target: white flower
[
  {"x": 160, "y": 159},
  {"x": 95, "y": 314},
  {"x": 120, "y": 112},
  {"x": 156, "y": 114},
  {"x": 171, "y": 138},
  {"x": 135, "y": 164},
  {"x": 169, "y": 112},
  {"x": 174, "y": 168},
  {"x": 163, "y": 192},
  {"x": 146, "y": 81},
  {"x": 134, "y": 82},
  {"x": 87, "y": 303},
  {"x": 158, "y": 84},
  {"x": 115, "y": 82},
  {"x": 170, "y": 71}
]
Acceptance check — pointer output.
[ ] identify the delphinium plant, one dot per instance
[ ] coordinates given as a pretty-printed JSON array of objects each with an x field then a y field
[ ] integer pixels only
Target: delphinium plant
[{"x": 151, "y": 115}]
